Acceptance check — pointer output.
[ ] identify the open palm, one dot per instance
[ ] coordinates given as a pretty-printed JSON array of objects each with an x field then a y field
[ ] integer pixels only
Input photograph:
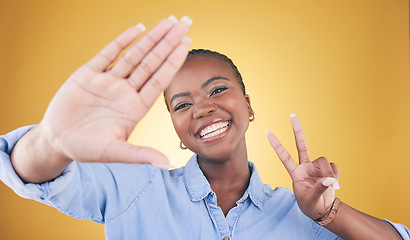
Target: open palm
[{"x": 94, "y": 112}]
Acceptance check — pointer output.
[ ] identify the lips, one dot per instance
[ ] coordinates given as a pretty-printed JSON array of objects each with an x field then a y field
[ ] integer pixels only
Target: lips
[{"x": 213, "y": 130}]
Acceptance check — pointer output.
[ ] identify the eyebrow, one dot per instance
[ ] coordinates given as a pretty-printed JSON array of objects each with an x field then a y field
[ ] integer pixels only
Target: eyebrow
[
  {"x": 183, "y": 94},
  {"x": 206, "y": 83}
]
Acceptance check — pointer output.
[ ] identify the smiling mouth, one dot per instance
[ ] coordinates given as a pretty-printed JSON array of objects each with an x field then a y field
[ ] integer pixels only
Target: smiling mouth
[{"x": 214, "y": 130}]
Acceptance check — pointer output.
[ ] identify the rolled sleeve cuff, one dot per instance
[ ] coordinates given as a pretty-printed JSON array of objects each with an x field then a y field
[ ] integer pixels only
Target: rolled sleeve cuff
[{"x": 40, "y": 192}]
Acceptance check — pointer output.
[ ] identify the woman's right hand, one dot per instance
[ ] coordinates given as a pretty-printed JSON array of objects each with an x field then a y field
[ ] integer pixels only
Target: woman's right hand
[{"x": 94, "y": 112}]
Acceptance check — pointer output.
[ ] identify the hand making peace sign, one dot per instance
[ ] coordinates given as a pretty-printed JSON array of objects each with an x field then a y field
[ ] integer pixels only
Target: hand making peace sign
[{"x": 314, "y": 182}]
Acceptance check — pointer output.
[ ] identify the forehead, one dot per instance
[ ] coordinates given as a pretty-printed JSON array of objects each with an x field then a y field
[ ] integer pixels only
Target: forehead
[
  {"x": 198, "y": 69},
  {"x": 204, "y": 65}
]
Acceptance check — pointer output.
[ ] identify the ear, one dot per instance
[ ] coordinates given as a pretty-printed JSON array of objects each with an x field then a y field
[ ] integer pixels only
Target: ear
[{"x": 248, "y": 101}]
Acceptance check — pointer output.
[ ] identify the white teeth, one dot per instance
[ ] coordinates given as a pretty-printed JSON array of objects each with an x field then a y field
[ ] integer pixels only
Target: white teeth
[{"x": 214, "y": 129}]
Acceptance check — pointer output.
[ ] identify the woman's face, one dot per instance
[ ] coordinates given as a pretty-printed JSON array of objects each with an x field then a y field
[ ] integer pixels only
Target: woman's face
[{"x": 209, "y": 111}]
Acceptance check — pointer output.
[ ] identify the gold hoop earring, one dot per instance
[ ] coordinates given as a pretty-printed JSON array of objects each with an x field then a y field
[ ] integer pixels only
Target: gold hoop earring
[
  {"x": 182, "y": 146},
  {"x": 252, "y": 117}
]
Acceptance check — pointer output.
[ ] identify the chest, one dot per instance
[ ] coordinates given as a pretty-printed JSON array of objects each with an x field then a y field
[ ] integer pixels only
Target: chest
[{"x": 204, "y": 219}]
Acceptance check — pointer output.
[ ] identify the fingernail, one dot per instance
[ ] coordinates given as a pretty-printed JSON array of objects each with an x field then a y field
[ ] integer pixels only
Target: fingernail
[
  {"x": 173, "y": 19},
  {"x": 331, "y": 182},
  {"x": 141, "y": 27},
  {"x": 187, "y": 40},
  {"x": 163, "y": 166},
  {"x": 187, "y": 20},
  {"x": 268, "y": 132},
  {"x": 336, "y": 185},
  {"x": 292, "y": 115}
]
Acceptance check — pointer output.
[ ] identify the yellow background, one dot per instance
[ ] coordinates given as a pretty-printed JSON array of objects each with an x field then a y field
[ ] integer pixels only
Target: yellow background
[{"x": 341, "y": 66}]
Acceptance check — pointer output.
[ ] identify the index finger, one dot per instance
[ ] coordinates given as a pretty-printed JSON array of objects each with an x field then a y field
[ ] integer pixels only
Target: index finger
[
  {"x": 283, "y": 155},
  {"x": 110, "y": 52}
]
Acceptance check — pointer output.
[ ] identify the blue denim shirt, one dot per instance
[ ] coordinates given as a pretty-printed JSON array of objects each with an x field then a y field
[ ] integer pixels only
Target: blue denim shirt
[{"x": 144, "y": 202}]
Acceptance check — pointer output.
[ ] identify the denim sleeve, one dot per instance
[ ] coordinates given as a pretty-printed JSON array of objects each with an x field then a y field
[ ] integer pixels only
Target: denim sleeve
[
  {"x": 94, "y": 191},
  {"x": 401, "y": 229},
  {"x": 323, "y": 233}
]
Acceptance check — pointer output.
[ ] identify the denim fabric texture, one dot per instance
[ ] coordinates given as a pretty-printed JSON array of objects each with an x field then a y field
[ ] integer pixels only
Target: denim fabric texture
[{"x": 144, "y": 202}]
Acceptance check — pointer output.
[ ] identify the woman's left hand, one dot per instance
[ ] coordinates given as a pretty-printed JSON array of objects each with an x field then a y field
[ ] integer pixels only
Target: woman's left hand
[{"x": 314, "y": 182}]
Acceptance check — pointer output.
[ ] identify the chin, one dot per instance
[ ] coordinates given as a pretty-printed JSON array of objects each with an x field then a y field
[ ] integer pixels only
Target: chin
[{"x": 216, "y": 156}]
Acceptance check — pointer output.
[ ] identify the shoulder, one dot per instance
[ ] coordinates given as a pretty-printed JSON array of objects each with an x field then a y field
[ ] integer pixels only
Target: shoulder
[
  {"x": 279, "y": 196},
  {"x": 278, "y": 192}
]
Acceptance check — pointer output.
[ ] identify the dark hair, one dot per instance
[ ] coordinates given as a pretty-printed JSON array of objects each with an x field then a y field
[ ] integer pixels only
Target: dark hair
[{"x": 216, "y": 55}]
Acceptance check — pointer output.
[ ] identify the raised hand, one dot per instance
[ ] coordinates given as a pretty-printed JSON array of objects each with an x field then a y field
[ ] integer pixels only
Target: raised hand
[
  {"x": 96, "y": 109},
  {"x": 314, "y": 182}
]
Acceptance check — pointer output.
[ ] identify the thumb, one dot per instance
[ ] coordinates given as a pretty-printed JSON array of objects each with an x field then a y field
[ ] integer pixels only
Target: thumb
[
  {"x": 122, "y": 151},
  {"x": 324, "y": 183}
]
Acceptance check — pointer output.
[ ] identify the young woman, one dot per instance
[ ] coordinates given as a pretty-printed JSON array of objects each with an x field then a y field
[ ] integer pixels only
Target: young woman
[{"x": 217, "y": 195}]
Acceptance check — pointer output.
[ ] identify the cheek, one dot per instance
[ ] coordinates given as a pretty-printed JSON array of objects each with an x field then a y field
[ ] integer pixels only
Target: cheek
[
  {"x": 181, "y": 126},
  {"x": 237, "y": 106}
]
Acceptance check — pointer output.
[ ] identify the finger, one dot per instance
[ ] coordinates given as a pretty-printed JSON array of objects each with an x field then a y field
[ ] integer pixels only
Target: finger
[
  {"x": 321, "y": 168},
  {"x": 335, "y": 170},
  {"x": 122, "y": 151},
  {"x": 332, "y": 182},
  {"x": 321, "y": 186},
  {"x": 154, "y": 59},
  {"x": 110, "y": 52},
  {"x": 133, "y": 56},
  {"x": 300, "y": 139},
  {"x": 163, "y": 77},
  {"x": 283, "y": 155}
]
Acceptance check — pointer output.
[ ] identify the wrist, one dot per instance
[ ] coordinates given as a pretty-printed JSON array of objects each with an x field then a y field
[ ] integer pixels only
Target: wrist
[
  {"x": 34, "y": 158},
  {"x": 330, "y": 214}
]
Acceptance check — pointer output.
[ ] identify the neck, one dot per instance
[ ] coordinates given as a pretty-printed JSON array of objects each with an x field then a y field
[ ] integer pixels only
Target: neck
[
  {"x": 228, "y": 177},
  {"x": 231, "y": 173}
]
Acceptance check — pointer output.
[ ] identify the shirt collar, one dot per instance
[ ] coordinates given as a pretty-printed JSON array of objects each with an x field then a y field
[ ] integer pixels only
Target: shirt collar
[
  {"x": 256, "y": 188},
  {"x": 198, "y": 186},
  {"x": 195, "y": 182}
]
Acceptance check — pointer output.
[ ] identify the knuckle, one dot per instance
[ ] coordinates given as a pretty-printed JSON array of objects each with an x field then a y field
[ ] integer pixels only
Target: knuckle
[
  {"x": 133, "y": 82},
  {"x": 157, "y": 84},
  {"x": 118, "y": 44},
  {"x": 151, "y": 39},
  {"x": 169, "y": 43},
  {"x": 129, "y": 59},
  {"x": 105, "y": 56},
  {"x": 277, "y": 145},
  {"x": 114, "y": 75},
  {"x": 303, "y": 149},
  {"x": 92, "y": 66},
  {"x": 173, "y": 65},
  {"x": 146, "y": 67},
  {"x": 322, "y": 159},
  {"x": 286, "y": 157},
  {"x": 155, "y": 57},
  {"x": 137, "y": 52}
]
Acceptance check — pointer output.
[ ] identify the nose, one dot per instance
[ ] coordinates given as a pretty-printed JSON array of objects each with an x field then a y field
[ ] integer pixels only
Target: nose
[{"x": 203, "y": 109}]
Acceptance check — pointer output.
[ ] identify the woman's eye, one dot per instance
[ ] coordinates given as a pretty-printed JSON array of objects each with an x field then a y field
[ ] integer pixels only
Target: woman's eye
[
  {"x": 181, "y": 106},
  {"x": 218, "y": 90}
]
